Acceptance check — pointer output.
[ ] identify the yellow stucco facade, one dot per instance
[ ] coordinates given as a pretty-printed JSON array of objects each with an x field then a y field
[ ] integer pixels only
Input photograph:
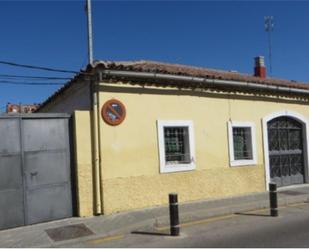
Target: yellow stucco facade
[
  {"x": 130, "y": 165},
  {"x": 83, "y": 163}
]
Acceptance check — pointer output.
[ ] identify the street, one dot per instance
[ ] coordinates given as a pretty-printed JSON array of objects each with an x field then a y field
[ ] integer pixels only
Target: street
[{"x": 251, "y": 229}]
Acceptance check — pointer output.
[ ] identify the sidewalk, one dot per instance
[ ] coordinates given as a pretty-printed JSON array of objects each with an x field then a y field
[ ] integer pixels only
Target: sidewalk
[{"x": 60, "y": 233}]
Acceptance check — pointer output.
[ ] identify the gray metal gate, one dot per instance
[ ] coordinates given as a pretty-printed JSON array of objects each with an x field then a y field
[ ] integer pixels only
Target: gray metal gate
[
  {"x": 35, "y": 178},
  {"x": 286, "y": 158}
]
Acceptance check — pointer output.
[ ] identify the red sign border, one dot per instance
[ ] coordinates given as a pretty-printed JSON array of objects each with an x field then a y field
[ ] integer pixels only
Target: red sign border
[{"x": 106, "y": 117}]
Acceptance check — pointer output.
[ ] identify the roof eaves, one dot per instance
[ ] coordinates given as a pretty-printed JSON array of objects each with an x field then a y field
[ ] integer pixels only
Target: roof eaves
[
  {"x": 62, "y": 89},
  {"x": 174, "y": 69}
]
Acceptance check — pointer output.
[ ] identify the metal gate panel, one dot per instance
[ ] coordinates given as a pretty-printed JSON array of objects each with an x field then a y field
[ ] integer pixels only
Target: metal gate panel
[
  {"x": 11, "y": 182},
  {"x": 297, "y": 172},
  {"x": 45, "y": 134},
  {"x": 285, "y": 170},
  {"x": 275, "y": 169},
  {"x": 10, "y": 136},
  {"x": 12, "y": 208},
  {"x": 47, "y": 169},
  {"x": 35, "y": 184},
  {"x": 10, "y": 172},
  {"x": 286, "y": 151},
  {"x": 48, "y": 203}
]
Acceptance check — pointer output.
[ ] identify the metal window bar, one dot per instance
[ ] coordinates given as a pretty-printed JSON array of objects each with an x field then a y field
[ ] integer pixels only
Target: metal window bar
[
  {"x": 242, "y": 143},
  {"x": 176, "y": 141}
]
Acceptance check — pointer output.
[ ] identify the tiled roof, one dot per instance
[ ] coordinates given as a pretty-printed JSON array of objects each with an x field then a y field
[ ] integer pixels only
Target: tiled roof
[{"x": 176, "y": 69}]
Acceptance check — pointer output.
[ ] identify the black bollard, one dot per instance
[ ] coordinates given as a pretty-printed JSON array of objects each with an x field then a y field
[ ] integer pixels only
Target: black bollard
[
  {"x": 273, "y": 199},
  {"x": 174, "y": 217}
]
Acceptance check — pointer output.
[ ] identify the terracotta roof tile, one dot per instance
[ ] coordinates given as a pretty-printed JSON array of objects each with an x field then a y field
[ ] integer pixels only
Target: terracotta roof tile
[{"x": 177, "y": 69}]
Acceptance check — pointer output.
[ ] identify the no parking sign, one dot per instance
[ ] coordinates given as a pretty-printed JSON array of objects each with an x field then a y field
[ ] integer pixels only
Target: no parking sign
[{"x": 113, "y": 112}]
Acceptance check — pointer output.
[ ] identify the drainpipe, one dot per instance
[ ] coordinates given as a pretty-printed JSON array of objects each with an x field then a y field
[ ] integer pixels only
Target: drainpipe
[
  {"x": 95, "y": 121},
  {"x": 96, "y": 146},
  {"x": 98, "y": 112},
  {"x": 211, "y": 82}
]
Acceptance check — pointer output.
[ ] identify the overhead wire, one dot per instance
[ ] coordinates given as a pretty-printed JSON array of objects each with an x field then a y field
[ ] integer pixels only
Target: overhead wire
[
  {"x": 39, "y": 67},
  {"x": 30, "y": 83},
  {"x": 12, "y": 79},
  {"x": 33, "y": 77}
]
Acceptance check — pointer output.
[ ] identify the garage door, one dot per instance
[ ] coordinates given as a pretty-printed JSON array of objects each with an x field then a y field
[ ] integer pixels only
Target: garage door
[{"x": 35, "y": 177}]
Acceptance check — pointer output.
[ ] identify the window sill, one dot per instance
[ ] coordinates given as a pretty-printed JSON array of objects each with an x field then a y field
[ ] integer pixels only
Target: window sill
[
  {"x": 243, "y": 163},
  {"x": 170, "y": 168}
]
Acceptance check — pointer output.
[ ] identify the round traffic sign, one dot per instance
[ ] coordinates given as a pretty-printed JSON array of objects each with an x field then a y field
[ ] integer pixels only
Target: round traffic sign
[{"x": 113, "y": 112}]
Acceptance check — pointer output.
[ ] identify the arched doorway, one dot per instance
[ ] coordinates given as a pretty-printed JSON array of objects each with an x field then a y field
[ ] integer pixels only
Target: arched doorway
[
  {"x": 285, "y": 138},
  {"x": 286, "y": 151}
]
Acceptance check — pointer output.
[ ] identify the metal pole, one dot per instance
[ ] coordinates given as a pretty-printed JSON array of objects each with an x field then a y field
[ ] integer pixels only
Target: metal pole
[
  {"x": 90, "y": 40},
  {"x": 269, "y": 27},
  {"x": 94, "y": 120},
  {"x": 273, "y": 199},
  {"x": 270, "y": 59},
  {"x": 174, "y": 217}
]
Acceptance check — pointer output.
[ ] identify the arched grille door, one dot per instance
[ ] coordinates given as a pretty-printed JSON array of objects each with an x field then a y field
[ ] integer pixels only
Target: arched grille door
[{"x": 286, "y": 159}]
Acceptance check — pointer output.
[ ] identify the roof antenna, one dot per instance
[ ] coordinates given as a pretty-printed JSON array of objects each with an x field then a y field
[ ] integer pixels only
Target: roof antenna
[
  {"x": 269, "y": 27},
  {"x": 90, "y": 41}
]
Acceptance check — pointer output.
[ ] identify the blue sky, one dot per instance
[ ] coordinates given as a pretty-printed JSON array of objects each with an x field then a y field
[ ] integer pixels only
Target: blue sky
[{"x": 216, "y": 34}]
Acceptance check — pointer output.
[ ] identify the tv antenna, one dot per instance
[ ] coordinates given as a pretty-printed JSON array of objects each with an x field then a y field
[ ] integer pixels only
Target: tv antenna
[{"x": 269, "y": 28}]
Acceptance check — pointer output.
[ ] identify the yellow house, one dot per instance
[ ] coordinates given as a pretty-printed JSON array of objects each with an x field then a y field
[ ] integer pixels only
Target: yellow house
[{"x": 144, "y": 129}]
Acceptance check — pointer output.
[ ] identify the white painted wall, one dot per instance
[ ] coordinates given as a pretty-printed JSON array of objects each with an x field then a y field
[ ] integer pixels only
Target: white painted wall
[{"x": 76, "y": 97}]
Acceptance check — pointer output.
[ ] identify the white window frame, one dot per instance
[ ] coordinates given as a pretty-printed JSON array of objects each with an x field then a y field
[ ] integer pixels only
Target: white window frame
[
  {"x": 233, "y": 161},
  {"x": 167, "y": 167}
]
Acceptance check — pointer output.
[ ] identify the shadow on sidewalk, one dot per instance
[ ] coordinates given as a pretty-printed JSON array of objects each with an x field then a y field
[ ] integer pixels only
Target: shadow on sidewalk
[
  {"x": 150, "y": 233},
  {"x": 252, "y": 214}
]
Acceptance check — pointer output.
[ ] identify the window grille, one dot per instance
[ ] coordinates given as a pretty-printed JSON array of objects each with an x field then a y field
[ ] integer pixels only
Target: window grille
[
  {"x": 176, "y": 145},
  {"x": 242, "y": 143},
  {"x": 176, "y": 140},
  {"x": 285, "y": 143}
]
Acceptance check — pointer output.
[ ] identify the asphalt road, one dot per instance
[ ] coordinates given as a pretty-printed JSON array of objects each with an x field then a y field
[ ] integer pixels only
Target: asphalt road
[{"x": 253, "y": 229}]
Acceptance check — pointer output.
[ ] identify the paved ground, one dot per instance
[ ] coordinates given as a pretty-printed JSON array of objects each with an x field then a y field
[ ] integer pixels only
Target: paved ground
[
  {"x": 101, "y": 230},
  {"x": 250, "y": 229}
]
